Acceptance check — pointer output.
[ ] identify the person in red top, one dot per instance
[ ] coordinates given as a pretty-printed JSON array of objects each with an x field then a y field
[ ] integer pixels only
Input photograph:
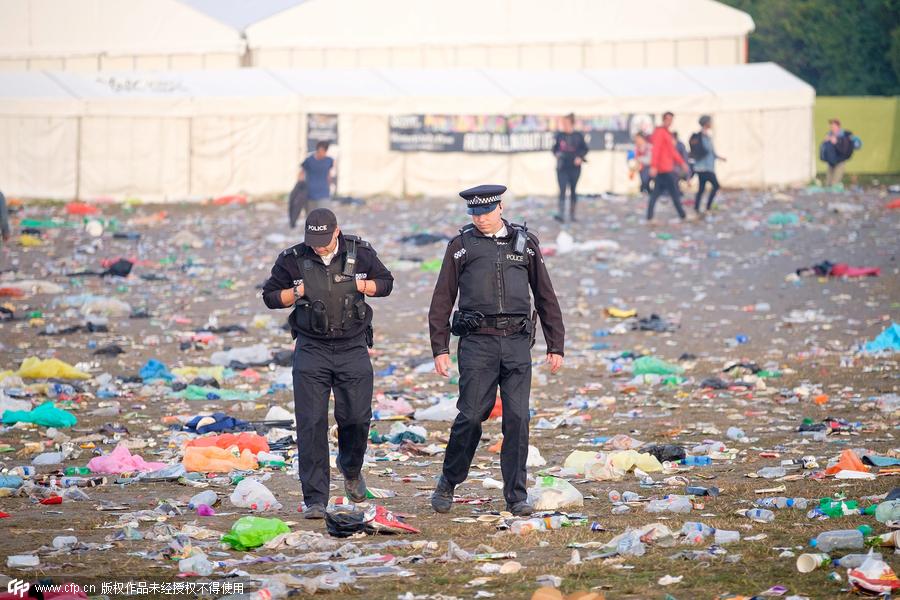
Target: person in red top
[{"x": 662, "y": 164}]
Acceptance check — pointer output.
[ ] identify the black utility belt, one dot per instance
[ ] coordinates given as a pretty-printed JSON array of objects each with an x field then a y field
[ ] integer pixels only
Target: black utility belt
[{"x": 465, "y": 322}]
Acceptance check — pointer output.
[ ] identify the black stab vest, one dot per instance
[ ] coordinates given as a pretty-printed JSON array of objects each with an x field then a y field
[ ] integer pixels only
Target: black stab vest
[{"x": 493, "y": 279}]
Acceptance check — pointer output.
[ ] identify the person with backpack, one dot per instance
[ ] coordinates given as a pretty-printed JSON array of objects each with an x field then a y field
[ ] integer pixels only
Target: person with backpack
[
  {"x": 836, "y": 149},
  {"x": 703, "y": 154}
]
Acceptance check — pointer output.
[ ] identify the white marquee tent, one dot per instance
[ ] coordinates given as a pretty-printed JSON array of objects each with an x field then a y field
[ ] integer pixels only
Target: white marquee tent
[
  {"x": 102, "y": 35},
  {"x": 503, "y": 34},
  {"x": 177, "y": 135}
]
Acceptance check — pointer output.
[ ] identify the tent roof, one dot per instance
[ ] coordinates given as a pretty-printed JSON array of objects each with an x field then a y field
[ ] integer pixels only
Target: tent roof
[
  {"x": 463, "y": 91},
  {"x": 363, "y": 23},
  {"x": 240, "y": 83},
  {"x": 35, "y": 28}
]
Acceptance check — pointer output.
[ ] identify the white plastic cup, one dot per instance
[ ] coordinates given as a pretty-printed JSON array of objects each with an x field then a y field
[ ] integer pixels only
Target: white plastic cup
[
  {"x": 94, "y": 228},
  {"x": 807, "y": 563}
]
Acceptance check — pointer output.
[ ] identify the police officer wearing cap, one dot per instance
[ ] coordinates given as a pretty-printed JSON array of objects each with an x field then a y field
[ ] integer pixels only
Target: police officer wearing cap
[
  {"x": 326, "y": 280},
  {"x": 492, "y": 265}
]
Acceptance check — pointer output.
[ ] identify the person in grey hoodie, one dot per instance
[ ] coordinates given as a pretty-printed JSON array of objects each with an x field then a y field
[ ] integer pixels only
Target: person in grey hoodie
[{"x": 705, "y": 164}]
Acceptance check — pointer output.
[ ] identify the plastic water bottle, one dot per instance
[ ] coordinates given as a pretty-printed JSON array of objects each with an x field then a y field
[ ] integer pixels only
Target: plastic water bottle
[
  {"x": 23, "y": 471},
  {"x": 196, "y": 563},
  {"x": 852, "y": 561},
  {"x": 696, "y": 461},
  {"x": 725, "y": 536},
  {"x": 615, "y": 496},
  {"x": 630, "y": 497},
  {"x": 10, "y": 481},
  {"x": 539, "y": 524},
  {"x": 760, "y": 514},
  {"x": 771, "y": 472},
  {"x": 736, "y": 434},
  {"x": 840, "y": 539},
  {"x": 782, "y": 502},
  {"x": 207, "y": 497}
]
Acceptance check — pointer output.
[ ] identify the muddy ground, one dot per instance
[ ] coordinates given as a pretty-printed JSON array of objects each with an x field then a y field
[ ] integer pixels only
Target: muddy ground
[{"x": 707, "y": 276}]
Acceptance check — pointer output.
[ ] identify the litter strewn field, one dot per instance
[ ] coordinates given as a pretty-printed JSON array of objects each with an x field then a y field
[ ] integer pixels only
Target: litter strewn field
[{"x": 733, "y": 347}]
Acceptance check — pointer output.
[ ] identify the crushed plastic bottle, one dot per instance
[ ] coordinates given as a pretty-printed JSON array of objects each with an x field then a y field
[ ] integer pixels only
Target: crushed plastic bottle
[
  {"x": 540, "y": 524},
  {"x": 675, "y": 504},
  {"x": 725, "y": 536},
  {"x": 736, "y": 433},
  {"x": 760, "y": 515}
]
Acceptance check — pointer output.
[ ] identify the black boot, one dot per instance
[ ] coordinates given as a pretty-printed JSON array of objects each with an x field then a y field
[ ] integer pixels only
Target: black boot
[
  {"x": 442, "y": 498},
  {"x": 355, "y": 488},
  {"x": 520, "y": 509}
]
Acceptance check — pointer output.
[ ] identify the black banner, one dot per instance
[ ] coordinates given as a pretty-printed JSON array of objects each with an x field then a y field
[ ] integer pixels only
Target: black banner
[
  {"x": 321, "y": 128},
  {"x": 507, "y": 134}
]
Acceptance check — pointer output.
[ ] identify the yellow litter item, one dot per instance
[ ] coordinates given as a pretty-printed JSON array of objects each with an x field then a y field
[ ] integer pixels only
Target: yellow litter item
[
  {"x": 35, "y": 368},
  {"x": 620, "y": 313},
  {"x": 578, "y": 459},
  {"x": 29, "y": 240},
  {"x": 628, "y": 459},
  {"x": 217, "y": 372}
]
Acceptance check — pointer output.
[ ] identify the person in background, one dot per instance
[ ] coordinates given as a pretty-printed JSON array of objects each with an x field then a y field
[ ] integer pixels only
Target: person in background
[
  {"x": 663, "y": 159},
  {"x": 684, "y": 172},
  {"x": 703, "y": 152},
  {"x": 569, "y": 150},
  {"x": 836, "y": 149},
  {"x": 317, "y": 170},
  {"x": 642, "y": 152},
  {"x": 4, "y": 219}
]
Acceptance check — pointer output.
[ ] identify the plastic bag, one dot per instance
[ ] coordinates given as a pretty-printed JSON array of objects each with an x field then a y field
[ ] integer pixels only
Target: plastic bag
[
  {"x": 251, "y": 494},
  {"x": 874, "y": 576},
  {"x": 445, "y": 410},
  {"x": 51, "y": 368},
  {"x": 253, "y": 442},
  {"x": 154, "y": 370},
  {"x": 650, "y": 365},
  {"x": 46, "y": 415},
  {"x": 199, "y": 392},
  {"x": 258, "y": 354},
  {"x": 626, "y": 460},
  {"x": 552, "y": 493},
  {"x": 121, "y": 460},
  {"x": 217, "y": 460},
  {"x": 252, "y": 532}
]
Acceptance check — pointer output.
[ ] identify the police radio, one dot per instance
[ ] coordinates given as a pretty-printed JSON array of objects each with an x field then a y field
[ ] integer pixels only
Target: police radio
[{"x": 521, "y": 239}]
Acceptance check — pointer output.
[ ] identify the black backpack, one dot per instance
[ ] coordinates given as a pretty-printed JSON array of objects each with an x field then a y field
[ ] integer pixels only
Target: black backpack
[{"x": 698, "y": 150}]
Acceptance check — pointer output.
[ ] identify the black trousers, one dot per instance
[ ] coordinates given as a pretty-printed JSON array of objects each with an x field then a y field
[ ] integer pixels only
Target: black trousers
[
  {"x": 567, "y": 178},
  {"x": 710, "y": 177},
  {"x": 665, "y": 183},
  {"x": 484, "y": 362},
  {"x": 296, "y": 202},
  {"x": 320, "y": 367}
]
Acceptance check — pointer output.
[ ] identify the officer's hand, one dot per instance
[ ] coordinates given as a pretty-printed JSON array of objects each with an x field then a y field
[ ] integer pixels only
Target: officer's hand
[
  {"x": 577, "y": 161},
  {"x": 555, "y": 361},
  {"x": 361, "y": 285},
  {"x": 442, "y": 364},
  {"x": 653, "y": 171}
]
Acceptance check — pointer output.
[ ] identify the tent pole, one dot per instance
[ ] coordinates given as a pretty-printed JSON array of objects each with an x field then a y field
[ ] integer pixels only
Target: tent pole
[{"x": 78, "y": 158}]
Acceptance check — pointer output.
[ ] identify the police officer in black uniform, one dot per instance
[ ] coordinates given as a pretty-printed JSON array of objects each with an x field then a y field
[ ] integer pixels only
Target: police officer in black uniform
[
  {"x": 326, "y": 279},
  {"x": 492, "y": 265}
]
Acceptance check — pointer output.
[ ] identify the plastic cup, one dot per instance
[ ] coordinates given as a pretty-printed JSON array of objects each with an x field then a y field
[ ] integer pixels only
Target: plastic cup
[
  {"x": 888, "y": 540},
  {"x": 94, "y": 228},
  {"x": 807, "y": 563}
]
